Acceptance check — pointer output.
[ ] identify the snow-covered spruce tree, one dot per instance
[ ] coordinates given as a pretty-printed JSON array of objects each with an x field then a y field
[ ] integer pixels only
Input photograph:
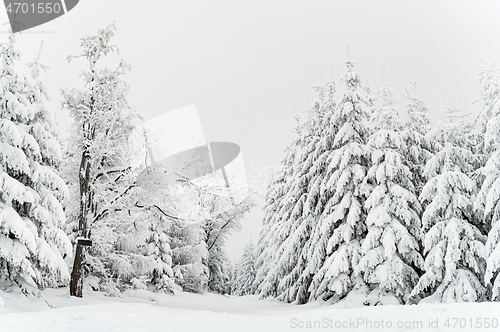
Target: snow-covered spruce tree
[
  {"x": 453, "y": 245},
  {"x": 419, "y": 148},
  {"x": 32, "y": 243},
  {"x": 343, "y": 218},
  {"x": 291, "y": 219},
  {"x": 295, "y": 251},
  {"x": 176, "y": 239},
  {"x": 279, "y": 186},
  {"x": 272, "y": 234},
  {"x": 313, "y": 253},
  {"x": 220, "y": 271},
  {"x": 488, "y": 122},
  {"x": 390, "y": 261},
  {"x": 187, "y": 256},
  {"x": 482, "y": 137},
  {"x": 165, "y": 233},
  {"x": 487, "y": 204},
  {"x": 457, "y": 129},
  {"x": 234, "y": 275},
  {"x": 489, "y": 100},
  {"x": 104, "y": 122},
  {"x": 245, "y": 272},
  {"x": 265, "y": 248}
]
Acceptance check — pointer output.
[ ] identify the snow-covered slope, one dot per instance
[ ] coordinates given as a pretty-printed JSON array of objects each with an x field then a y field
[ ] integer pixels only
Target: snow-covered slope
[{"x": 149, "y": 312}]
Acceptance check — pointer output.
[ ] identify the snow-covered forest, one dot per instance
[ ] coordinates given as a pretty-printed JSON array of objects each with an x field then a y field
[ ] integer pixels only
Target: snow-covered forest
[
  {"x": 375, "y": 204},
  {"x": 380, "y": 205},
  {"x": 55, "y": 193},
  {"x": 367, "y": 203}
]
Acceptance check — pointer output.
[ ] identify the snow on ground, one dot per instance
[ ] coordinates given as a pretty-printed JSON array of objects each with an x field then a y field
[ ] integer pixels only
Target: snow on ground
[{"x": 145, "y": 311}]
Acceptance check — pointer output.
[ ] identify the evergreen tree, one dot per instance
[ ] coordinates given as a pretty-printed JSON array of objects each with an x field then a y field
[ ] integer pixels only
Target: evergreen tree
[
  {"x": 488, "y": 176},
  {"x": 32, "y": 243},
  {"x": 313, "y": 254},
  {"x": 488, "y": 121},
  {"x": 488, "y": 98},
  {"x": 187, "y": 257},
  {"x": 292, "y": 204},
  {"x": 419, "y": 148},
  {"x": 488, "y": 207},
  {"x": 390, "y": 262},
  {"x": 453, "y": 245},
  {"x": 164, "y": 233},
  {"x": 342, "y": 222},
  {"x": 266, "y": 245},
  {"x": 219, "y": 268},
  {"x": 276, "y": 224},
  {"x": 234, "y": 275},
  {"x": 245, "y": 276}
]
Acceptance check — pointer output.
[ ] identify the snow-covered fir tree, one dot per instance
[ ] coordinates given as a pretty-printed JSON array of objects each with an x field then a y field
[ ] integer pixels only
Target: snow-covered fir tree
[
  {"x": 276, "y": 189},
  {"x": 342, "y": 222},
  {"x": 453, "y": 245},
  {"x": 187, "y": 256},
  {"x": 293, "y": 202},
  {"x": 220, "y": 271},
  {"x": 312, "y": 258},
  {"x": 488, "y": 207},
  {"x": 243, "y": 283},
  {"x": 487, "y": 204},
  {"x": 415, "y": 128},
  {"x": 32, "y": 243},
  {"x": 488, "y": 98},
  {"x": 488, "y": 122},
  {"x": 275, "y": 230},
  {"x": 390, "y": 262},
  {"x": 165, "y": 240}
]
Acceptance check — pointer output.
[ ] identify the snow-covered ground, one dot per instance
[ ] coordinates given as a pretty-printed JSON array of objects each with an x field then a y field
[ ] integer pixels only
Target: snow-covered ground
[{"x": 145, "y": 311}]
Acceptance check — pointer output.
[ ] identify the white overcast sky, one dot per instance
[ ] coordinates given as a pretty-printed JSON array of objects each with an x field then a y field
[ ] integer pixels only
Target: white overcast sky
[{"x": 250, "y": 65}]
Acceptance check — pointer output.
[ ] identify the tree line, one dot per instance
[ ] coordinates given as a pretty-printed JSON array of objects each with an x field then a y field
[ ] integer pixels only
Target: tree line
[{"x": 373, "y": 207}]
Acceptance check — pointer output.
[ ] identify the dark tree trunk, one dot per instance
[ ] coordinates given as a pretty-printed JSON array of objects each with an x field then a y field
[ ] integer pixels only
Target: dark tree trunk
[
  {"x": 86, "y": 213},
  {"x": 76, "y": 284}
]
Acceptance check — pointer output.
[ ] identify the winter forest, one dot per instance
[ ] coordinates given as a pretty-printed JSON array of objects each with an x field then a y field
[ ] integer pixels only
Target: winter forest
[
  {"x": 373, "y": 202},
  {"x": 384, "y": 209},
  {"x": 169, "y": 239}
]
